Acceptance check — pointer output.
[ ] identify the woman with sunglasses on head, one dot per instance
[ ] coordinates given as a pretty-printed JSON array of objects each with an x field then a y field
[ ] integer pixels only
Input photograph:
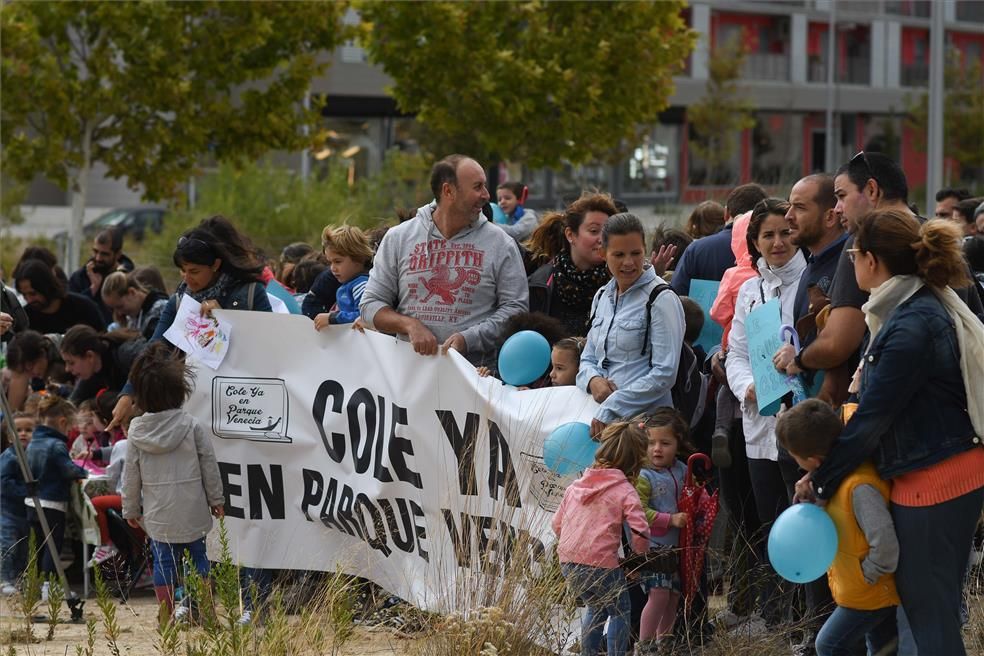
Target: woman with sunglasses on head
[
  {"x": 221, "y": 270},
  {"x": 920, "y": 414}
]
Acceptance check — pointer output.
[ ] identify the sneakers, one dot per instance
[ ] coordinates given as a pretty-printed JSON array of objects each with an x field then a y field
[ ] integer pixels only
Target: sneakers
[
  {"x": 44, "y": 592},
  {"x": 245, "y": 619},
  {"x": 720, "y": 453},
  {"x": 182, "y": 614},
  {"x": 7, "y": 589},
  {"x": 103, "y": 553}
]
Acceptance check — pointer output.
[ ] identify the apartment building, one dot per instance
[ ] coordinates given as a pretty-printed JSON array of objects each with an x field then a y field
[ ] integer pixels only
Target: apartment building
[{"x": 881, "y": 58}]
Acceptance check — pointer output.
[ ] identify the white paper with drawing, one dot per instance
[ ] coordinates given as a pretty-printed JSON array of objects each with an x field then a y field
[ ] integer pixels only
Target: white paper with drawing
[{"x": 204, "y": 338}]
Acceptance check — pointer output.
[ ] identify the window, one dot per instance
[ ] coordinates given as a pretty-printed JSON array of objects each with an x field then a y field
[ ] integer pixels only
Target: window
[
  {"x": 653, "y": 166},
  {"x": 725, "y": 173},
  {"x": 777, "y": 148},
  {"x": 570, "y": 180},
  {"x": 970, "y": 10}
]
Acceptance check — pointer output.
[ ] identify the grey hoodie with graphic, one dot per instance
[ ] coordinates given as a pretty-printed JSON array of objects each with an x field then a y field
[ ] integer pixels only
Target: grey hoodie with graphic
[
  {"x": 170, "y": 463},
  {"x": 469, "y": 284}
]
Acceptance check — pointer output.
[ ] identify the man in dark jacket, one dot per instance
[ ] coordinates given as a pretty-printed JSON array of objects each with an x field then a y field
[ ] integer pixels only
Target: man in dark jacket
[{"x": 107, "y": 257}]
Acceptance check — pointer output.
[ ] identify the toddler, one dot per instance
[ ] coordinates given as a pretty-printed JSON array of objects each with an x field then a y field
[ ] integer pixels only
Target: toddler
[
  {"x": 589, "y": 524},
  {"x": 861, "y": 577},
  {"x": 565, "y": 358},
  {"x": 349, "y": 256},
  {"x": 171, "y": 482},
  {"x": 659, "y": 484},
  {"x": 13, "y": 513}
]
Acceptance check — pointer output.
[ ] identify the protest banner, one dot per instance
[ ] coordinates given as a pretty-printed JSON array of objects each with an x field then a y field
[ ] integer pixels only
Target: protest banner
[
  {"x": 349, "y": 450},
  {"x": 762, "y": 328},
  {"x": 704, "y": 292}
]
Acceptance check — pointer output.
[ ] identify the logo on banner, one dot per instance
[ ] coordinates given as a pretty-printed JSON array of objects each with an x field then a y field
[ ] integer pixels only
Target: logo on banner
[
  {"x": 250, "y": 409},
  {"x": 546, "y": 486}
]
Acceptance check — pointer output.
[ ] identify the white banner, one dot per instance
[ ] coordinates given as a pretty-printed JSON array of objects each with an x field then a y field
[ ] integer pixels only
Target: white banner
[{"x": 346, "y": 449}]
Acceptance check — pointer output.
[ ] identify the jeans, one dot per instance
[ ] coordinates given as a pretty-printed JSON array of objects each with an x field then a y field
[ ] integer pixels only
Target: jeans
[
  {"x": 56, "y": 524},
  {"x": 256, "y": 584},
  {"x": 168, "y": 555},
  {"x": 934, "y": 544},
  {"x": 13, "y": 544},
  {"x": 605, "y": 596},
  {"x": 846, "y": 628}
]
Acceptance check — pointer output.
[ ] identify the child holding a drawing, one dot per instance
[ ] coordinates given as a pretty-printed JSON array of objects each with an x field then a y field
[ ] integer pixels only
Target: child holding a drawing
[
  {"x": 779, "y": 265},
  {"x": 589, "y": 524},
  {"x": 172, "y": 486}
]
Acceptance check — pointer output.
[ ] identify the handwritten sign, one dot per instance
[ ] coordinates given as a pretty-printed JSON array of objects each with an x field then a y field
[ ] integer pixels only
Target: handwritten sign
[
  {"x": 250, "y": 408},
  {"x": 762, "y": 328},
  {"x": 704, "y": 292}
]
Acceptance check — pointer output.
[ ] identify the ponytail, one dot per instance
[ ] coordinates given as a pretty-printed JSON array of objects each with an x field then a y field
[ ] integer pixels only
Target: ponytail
[
  {"x": 931, "y": 251},
  {"x": 548, "y": 240},
  {"x": 53, "y": 407}
]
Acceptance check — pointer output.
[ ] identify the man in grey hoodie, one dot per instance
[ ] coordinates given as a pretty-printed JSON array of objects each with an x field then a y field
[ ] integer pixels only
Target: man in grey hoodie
[{"x": 447, "y": 277}]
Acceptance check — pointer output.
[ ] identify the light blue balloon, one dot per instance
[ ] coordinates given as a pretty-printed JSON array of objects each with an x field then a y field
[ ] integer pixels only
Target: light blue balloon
[
  {"x": 569, "y": 448},
  {"x": 802, "y": 543},
  {"x": 524, "y": 357}
]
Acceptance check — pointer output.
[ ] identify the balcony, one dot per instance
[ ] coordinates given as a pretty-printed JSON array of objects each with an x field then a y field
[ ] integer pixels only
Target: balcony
[
  {"x": 854, "y": 70},
  {"x": 766, "y": 66},
  {"x": 915, "y": 75}
]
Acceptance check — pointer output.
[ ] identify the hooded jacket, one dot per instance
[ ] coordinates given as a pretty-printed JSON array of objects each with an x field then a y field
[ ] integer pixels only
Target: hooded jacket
[
  {"x": 589, "y": 521},
  {"x": 723, "y": 309},
  {"x": 51, "y": 466},
  {"x": 170, "y": 462},
  {"x": 469, "y": 284},
  {"x": 782, "y": 282}
]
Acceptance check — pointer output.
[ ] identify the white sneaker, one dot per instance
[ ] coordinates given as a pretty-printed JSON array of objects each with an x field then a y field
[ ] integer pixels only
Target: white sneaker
[
  {"x": 44, "y": 592},
  {"x": 182, "y": 615},
  {"x": 103, "y": 553},
  {"x": 7, "y": 589},
  {"x": 246, "y": 618}
]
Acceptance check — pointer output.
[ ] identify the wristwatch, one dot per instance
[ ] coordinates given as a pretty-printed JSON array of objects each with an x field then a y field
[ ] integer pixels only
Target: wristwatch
[{"x": 799, "y": 361}]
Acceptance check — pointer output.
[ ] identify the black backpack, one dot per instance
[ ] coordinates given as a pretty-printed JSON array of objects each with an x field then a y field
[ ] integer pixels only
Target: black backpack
[{"x": 689, "y": 390}]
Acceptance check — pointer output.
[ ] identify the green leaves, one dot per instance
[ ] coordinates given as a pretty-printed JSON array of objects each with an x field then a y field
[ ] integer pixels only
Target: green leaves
[
  {"x": 540, "y": 82},
  {"x": 157, "y": 84}
]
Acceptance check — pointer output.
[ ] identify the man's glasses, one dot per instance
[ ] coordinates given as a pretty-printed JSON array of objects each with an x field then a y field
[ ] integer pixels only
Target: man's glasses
[{"x": 860, "y": 161}]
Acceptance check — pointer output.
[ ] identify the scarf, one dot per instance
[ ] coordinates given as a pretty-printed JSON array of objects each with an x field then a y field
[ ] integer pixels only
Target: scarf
[
  {"x": 218, "y": 290},
  {"x": 575, "y": 287},
  {"x": 970, "y": 333},
  {"x": 777, "y": 278}
]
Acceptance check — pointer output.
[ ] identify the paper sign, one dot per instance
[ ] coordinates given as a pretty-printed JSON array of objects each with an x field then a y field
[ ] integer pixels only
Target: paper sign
[
  {"x": 203, "y": 337},
  {"x": 762, "y": 329},
  {"x": 704, "y": 292}
]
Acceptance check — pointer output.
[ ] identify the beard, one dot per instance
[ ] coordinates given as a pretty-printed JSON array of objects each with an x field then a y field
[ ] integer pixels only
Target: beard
[
  {"x": 103, "y": 269},
  {"x": 807, "y": 235}
]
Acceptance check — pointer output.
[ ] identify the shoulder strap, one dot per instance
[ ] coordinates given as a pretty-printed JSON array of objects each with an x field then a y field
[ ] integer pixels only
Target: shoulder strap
[
  {"x": 594, "y": 305},
  {"x": 250, "y": 294},
  {"x": 653, "y": 295}
]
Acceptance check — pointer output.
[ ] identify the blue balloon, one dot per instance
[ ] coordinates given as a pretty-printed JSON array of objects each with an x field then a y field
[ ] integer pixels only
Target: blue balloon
[
  {"x": 524, "y": 357},
  {"x": 569, "y": 448},
  {"x": 802, "y": 543}
]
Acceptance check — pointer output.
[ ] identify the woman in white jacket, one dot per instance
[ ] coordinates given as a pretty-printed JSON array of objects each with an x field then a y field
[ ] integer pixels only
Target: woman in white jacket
[{"x": 780, "y": 265}]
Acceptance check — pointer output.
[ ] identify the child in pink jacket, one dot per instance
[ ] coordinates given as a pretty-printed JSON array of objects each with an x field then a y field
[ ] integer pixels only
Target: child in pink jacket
[{"x": 589, "y": 524}]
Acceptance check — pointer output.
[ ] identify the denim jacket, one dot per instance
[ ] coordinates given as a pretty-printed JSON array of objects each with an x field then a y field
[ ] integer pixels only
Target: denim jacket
[
  {"x": 615, "y": 347},
  {"x": 912, "y": 410},
  {"x": 12, "y": 484},
  {"x": 47, "y": 456}
]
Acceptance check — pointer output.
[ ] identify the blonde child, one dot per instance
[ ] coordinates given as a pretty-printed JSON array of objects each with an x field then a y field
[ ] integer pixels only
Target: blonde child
[
  {"x": 349, "y": 256},
  {"x": 13, "y": 512},
  {"x": 47, "y": 456},
  {"x": 861, "y": 578},
  {"x": 170, "y": 469},
  {"x": 589, "y": 525},
  {"x": 565, "y": 358},
  {"x": 659, "y": 484}
]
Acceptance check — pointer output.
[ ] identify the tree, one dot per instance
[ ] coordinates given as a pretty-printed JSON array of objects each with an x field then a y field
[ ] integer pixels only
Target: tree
[
  {"x": 963, "y": 116},
  {"x": 540, "y": 82},
  {"x": 721, "y": 113},
  {"x": 147, "y": 88}
]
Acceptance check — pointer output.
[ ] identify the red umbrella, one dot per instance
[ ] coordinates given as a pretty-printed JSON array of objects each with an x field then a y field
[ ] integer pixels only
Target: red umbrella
[{"x": 701, "y": 509}]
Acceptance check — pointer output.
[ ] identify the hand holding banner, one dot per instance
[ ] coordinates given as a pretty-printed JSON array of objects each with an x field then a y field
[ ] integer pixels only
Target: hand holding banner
[{"x": 762, "y": 327}]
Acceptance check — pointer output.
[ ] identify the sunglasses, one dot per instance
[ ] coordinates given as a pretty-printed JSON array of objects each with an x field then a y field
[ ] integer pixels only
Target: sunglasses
[
  {"x": 861, "y": 160},
  {"x": 191, "y": 242}
]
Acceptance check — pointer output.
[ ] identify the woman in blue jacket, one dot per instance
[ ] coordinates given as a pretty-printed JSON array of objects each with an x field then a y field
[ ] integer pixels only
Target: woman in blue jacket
[
  {"x": 920, "y": 414},
  {"x": 632, "y": 354}
]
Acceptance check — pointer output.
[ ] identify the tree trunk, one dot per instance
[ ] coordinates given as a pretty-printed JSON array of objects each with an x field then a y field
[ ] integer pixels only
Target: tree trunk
[{"x": 80, "y": 188}]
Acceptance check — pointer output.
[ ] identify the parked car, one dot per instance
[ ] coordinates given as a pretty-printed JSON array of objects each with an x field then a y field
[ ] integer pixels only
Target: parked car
[{"x": 133, "y": 221}]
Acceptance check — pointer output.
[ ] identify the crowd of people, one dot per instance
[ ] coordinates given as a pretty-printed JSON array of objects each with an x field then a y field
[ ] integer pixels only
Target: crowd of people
[{"x": 887, "y": 308}]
